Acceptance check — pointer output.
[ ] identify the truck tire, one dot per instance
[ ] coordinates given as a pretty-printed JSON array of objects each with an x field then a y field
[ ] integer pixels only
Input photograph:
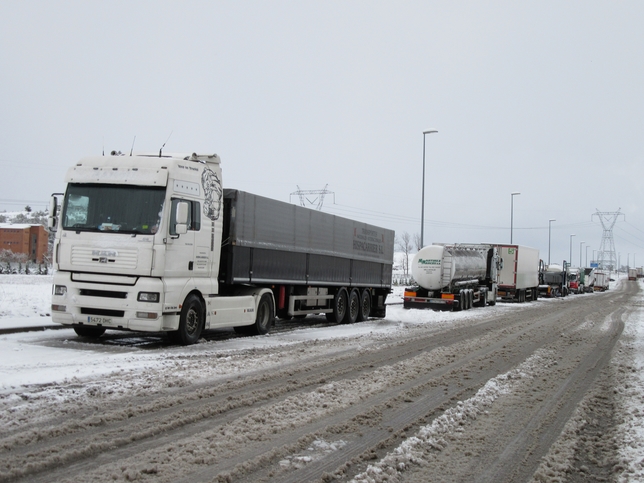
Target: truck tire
[
  {"x": 339, "y": 306},
  {"x": 265, "y": 316},
  {"x": 470, "y": 298},
  {"x": 89, "y": 331},
  {"x": 353, "y": 307},
  {"x": 461, "y": 302},
  {"x": 482, "y": 298},
  {"x": 365, "y": 305},
  {"x": 191, "y": 321}
]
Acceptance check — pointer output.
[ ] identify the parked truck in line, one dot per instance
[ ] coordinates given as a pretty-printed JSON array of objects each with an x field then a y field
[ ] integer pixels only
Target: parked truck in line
[
  {"x": 554, "y": 280},
  {"x": 518, "y": 275},
  {"x": 155, "y": 243},
  {"x": 632, "y": 273},
  {"x": 453, "y": 277},
  {"x": 601, "y": 280},
  {"x": 575, "y": 280}
]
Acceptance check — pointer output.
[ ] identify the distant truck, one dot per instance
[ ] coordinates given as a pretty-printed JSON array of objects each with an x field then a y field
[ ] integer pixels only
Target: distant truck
[
  {"x": 518, "y": 275},
  {"x": 554, "y": 280},
  {"x": 155, "y": 243},
  {"x": 453, "y": 277},
  {"x": 601, "y": 280},
  {"x": 632, "y": 273},
  {"x": 640, "y": 272},
  {"x": 576, "y": 280}
]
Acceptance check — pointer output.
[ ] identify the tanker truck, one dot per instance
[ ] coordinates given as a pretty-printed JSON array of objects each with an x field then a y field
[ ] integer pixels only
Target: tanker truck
[{"x": 453, "y": 277}]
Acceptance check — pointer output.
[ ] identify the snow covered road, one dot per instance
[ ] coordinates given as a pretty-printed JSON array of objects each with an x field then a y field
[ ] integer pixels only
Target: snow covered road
[{"x": 544, "y": 391}]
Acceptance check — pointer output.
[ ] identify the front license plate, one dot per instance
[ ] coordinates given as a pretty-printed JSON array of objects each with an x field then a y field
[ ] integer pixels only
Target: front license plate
[{"x": 99, "y": 320}]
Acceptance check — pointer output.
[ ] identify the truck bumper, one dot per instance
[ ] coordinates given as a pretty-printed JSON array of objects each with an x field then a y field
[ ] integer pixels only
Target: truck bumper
[
  {"x": 110, "y": 305},
  {"x": 429, "y": 303}
]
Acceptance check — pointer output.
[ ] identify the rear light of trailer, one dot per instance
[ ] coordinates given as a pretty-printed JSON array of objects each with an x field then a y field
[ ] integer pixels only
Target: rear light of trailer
[{"x": 447, "y": 296}]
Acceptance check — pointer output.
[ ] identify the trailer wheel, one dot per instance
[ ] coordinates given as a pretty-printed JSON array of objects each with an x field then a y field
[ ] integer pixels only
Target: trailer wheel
[
  {"x": 353, "y": 307},
  {"x": 482, "y": 298},
  {"x": 339, "y": 306},
  {"x": 461, "y": 302},
  {"x": 365, "y": 305},
  {"x": 89, "y": 331},
  {"x": 470, "y": 298}
]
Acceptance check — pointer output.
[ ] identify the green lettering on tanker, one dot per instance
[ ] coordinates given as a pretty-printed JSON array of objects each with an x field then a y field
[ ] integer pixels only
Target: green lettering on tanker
[{"x": 428, "y": 261}]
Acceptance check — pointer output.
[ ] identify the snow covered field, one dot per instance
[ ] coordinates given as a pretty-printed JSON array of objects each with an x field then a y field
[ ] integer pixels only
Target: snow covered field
[{"x": 38, "y": 368}]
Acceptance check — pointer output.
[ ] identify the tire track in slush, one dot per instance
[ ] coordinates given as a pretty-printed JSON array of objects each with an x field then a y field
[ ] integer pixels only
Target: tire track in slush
[{"x": 246, "y": 428}]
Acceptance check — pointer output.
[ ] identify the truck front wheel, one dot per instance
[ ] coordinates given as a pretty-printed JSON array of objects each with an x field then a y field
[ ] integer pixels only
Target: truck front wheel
[
  {"x": 191, "y": 321},
  {"x": 265, "y": 316}
]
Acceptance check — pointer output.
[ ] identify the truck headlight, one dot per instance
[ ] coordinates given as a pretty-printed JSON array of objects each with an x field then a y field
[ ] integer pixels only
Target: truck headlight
[
  {"x": 149, "y": 297},
  {"x": 60, "y": 289}
]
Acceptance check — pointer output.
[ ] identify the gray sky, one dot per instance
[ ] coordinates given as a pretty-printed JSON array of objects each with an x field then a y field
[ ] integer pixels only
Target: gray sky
[{"x": 545, "y": 98}]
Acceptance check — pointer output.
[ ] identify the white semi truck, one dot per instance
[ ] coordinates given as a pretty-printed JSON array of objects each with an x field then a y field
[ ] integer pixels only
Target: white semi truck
[
  {"x": 453, "y": 277},
  {"x": 155, "y": 243},
  {"x": 632, "y": 273}
]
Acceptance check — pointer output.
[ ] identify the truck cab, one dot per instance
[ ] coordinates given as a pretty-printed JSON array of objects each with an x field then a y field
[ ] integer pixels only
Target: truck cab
[{"x": 137, "y": 247}]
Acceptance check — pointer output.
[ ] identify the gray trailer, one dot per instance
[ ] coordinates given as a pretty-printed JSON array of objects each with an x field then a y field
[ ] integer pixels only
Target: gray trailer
[{"x": 314, "y": 262}]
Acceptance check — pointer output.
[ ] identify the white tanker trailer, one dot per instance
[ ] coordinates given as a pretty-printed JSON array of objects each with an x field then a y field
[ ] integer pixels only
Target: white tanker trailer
[{"x": 453, "y": 277}]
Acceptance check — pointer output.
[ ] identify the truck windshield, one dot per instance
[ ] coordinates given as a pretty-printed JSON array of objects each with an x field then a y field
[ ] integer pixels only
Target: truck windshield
[{"x": 113, "y": 208}]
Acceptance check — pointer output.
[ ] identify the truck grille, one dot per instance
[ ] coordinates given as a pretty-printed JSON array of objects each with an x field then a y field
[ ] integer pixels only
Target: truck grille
[
  {"x": 103, "y": 293},
  {"x": 89, "y": 257}
]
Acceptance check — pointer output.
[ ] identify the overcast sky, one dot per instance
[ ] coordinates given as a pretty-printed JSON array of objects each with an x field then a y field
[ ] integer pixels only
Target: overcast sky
[{"x": 545, "y": 98}]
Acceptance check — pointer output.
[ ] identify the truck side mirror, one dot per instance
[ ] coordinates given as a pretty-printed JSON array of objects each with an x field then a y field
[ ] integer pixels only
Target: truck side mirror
[
  {"x": 52, "y": 220},
  {"x": 181, "y": 217}
]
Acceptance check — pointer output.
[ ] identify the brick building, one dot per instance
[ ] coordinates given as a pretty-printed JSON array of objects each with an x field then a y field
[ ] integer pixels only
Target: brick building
[{"x": 31, "y": 240}]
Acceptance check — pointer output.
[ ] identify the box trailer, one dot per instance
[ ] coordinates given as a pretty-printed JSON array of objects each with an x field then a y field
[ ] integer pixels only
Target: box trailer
[{"x": 518, "y": 275}]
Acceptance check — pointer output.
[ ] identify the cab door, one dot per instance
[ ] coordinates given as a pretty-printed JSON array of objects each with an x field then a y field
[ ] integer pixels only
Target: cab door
[{"x": 187, "y": 261}]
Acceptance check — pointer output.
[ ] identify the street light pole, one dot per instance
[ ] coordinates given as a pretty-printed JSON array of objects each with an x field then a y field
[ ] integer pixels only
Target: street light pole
[
  {"x": 571, "y": 249},
  {"x": 580, "y": 244},
  {"x": 422, "y": 208},
  {"x": 587, "y": 247},
  {"x": 512, "y": 213},
  {"x": 549, "y": 232}
]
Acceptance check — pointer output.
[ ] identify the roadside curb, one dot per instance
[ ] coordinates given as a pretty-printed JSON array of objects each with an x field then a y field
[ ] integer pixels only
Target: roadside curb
[{"x": 17, "y": 330}]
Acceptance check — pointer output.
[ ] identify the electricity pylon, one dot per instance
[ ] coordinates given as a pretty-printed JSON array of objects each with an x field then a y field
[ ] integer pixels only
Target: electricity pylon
[
  {"x": 318, "y": 202},
  {"x": 607, "y": 256}
]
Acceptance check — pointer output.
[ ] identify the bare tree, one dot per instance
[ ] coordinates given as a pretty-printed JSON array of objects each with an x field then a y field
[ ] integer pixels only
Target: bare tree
[{"x": 404, "y": 245}]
